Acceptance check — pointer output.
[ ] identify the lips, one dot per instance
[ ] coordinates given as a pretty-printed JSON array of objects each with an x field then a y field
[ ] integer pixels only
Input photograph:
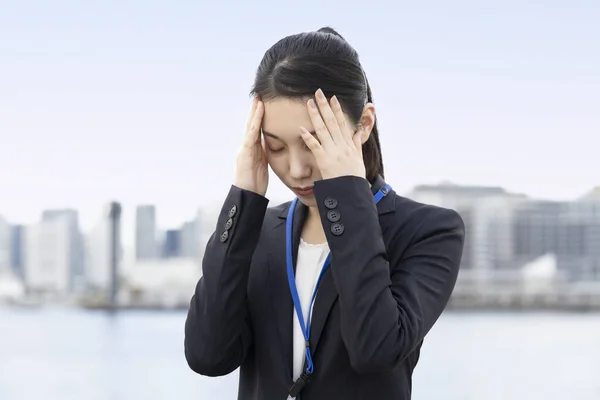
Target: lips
[{"x": 303, "y": 191}]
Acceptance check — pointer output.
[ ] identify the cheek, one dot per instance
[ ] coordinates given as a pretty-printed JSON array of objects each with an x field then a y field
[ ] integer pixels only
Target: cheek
[{"x": 277, "y": 163}]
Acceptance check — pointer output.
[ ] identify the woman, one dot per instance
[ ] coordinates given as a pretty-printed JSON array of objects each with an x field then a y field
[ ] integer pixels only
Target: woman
[{"x": 384, "y": 265}]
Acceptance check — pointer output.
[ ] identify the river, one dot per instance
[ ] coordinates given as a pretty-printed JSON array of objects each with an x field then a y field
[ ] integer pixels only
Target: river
[{"x": 68, "y": 354}]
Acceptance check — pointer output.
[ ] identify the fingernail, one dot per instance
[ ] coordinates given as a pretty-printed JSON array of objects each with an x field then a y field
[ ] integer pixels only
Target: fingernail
[
  {"x": 320, "y": 94},
  {"x": 335, "y": 100},
  {"x": 312, "y": 103}
]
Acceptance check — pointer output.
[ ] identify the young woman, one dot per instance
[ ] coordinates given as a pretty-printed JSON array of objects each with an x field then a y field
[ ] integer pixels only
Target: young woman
[{"x": 328, "y": 296}]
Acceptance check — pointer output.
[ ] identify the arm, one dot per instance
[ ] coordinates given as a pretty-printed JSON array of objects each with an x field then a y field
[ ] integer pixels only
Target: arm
[
  {"x": 388, "y": 301},
  {"x": 217, "y": 330}
]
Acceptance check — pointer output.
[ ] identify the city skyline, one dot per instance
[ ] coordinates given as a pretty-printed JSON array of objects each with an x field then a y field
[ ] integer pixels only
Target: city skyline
[
  {"x": 514, "y": 240},
  {"x": 88, "y": 224}
]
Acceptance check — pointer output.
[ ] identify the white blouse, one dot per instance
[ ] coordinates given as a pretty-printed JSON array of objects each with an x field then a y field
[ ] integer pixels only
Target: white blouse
[{"x": 308, "y": 267}]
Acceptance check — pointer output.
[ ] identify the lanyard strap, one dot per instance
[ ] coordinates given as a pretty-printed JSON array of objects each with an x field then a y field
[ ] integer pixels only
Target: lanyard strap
[{"x": 292, "y": 281}]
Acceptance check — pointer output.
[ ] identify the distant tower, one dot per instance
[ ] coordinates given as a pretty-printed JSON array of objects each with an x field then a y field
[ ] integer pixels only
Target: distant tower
[
  {"x": 76, "y": 266},
  {"x": 172, "y": 246},
  {"x": 115, "y": 250},
  {"x": 5, "y": 247},
  {"x": 146, "y": 246}
]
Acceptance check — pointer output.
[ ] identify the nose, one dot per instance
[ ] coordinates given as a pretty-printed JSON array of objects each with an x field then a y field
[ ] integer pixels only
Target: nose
[{"x": 299, "y": 166}]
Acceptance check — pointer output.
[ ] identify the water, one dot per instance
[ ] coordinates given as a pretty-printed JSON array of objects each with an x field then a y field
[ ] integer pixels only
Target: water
[{"x": 72, "y": 354}]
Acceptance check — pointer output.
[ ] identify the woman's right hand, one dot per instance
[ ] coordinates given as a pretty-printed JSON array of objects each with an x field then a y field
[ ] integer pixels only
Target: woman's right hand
[{"x": 252, "y": 172}]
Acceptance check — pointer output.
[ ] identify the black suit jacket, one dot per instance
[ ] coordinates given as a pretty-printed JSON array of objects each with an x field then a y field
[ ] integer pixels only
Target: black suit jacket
[{"x": 393, "y": 269}]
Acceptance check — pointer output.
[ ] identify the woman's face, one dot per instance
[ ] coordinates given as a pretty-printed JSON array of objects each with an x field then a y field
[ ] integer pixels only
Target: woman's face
[{"x": 287, "y": 153}]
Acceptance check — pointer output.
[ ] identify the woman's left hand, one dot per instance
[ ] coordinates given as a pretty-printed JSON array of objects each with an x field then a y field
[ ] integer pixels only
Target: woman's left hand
[{"x": 338, "y": 151}]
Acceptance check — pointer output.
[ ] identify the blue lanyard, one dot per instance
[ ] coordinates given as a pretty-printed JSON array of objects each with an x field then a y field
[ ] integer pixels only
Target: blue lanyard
[{"x": 292, "y": 281}]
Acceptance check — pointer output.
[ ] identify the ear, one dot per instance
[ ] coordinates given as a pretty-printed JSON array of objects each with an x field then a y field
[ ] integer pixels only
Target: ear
[{"x": 367, "y": 121}]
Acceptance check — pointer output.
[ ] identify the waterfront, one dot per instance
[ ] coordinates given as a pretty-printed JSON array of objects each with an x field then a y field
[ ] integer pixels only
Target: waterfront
[{"x": 69, "y": 354}]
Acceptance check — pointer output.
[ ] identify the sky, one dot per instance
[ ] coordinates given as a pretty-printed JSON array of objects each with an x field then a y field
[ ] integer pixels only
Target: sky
[{"x": 146, "y": 101}]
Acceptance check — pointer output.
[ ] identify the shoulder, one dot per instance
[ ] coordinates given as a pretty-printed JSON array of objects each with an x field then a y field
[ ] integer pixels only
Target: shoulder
[{"x": 414, "y": 220}]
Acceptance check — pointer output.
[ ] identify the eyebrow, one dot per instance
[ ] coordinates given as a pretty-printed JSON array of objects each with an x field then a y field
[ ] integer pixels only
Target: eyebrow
[{"x": 272, "y": 135}]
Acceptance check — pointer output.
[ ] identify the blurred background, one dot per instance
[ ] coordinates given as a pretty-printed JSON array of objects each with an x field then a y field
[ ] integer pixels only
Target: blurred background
[{"x": 119, "y": 125}]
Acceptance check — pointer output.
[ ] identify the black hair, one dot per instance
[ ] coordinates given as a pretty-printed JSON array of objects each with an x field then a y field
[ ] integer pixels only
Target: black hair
[{"x": 297, "y": 65}]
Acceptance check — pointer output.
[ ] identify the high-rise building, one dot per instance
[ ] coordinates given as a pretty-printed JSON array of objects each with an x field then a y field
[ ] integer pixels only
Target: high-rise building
[
  {"x": 11, "y": 285},
  {"x": 48, "y": 252},
  {"x": 453, "y": 196},
  {"x": 480, "y": 208},
  {"x": 98, "y": 254},
  {"x": 569, "y": 230},
  {"x": 5, "y": 247},
  {"x": 16, "y": 250},
  {"x": 190, "y": 239},
  {"x": 146, "y": 245},
  {"x": 492, "y": 234},
  {"x": 172, "y": 244},
  {"x": 76, "y": 244}
]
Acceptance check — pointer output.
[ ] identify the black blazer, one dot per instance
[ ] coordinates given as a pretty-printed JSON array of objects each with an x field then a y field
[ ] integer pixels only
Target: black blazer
[{"x": 394, "y": 266}]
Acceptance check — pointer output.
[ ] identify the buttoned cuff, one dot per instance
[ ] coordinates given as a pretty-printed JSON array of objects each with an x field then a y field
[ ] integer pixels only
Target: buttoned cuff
[
  {"x": 242, "y": 214},
  {"x": 343, "y": 204}
]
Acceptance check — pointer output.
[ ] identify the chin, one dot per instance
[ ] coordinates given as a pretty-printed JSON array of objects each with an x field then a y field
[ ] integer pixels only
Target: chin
[{"x": 309, "y": 201}]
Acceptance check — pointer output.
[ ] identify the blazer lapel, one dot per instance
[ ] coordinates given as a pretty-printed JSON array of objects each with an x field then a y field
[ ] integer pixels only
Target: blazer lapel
[
  {"x": 324, "y": 300},
  {"x": 327, "y": 294},
  {"x": 278, "y": 280}
]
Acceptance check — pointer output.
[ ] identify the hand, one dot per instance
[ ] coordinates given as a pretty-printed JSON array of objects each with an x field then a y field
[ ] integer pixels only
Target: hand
[
  {"x": 252, "y": 172},
  {"x": 338, "y": 152}
]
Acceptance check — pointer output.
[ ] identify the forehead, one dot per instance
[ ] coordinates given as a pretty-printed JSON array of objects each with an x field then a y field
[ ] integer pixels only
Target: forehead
[{"x": 283, "y": 117}]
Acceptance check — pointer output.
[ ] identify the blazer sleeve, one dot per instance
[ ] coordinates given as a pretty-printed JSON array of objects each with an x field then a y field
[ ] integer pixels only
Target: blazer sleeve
[
  {"x": 389, "y": 298},
  {"x": 218, "y": 333}
]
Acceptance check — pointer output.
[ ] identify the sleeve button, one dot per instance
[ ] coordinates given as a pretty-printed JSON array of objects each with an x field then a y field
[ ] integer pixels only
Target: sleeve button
[
  {"x": 232, "y": 211},
  {"x": 337, "y": 229},
  {"x": 330, "y": 202},
  {"x": 333, "y": 215},
  {"x": 224, "y": 236}
]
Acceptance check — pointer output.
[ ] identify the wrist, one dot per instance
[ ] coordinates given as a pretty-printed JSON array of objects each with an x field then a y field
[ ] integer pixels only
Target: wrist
[{"x": 249, "y": 189}]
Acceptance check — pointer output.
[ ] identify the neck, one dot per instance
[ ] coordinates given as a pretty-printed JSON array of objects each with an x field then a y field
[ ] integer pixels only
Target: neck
[
  {"x": 313, "y": 213},
  {"x": 313, "y": 232}
]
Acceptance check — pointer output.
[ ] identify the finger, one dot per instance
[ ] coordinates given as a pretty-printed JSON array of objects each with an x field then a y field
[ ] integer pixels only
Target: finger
[
  {"x": 345, "y": 130},
  {"x": 311, "y": 142},
  {"x": 320, "y": 128},
  {"x": 253, "y": 134},
  {"x": 264, "y": 151},
  {"x": 329, "y": 118},
  {"x": 252, "y": 111}
]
